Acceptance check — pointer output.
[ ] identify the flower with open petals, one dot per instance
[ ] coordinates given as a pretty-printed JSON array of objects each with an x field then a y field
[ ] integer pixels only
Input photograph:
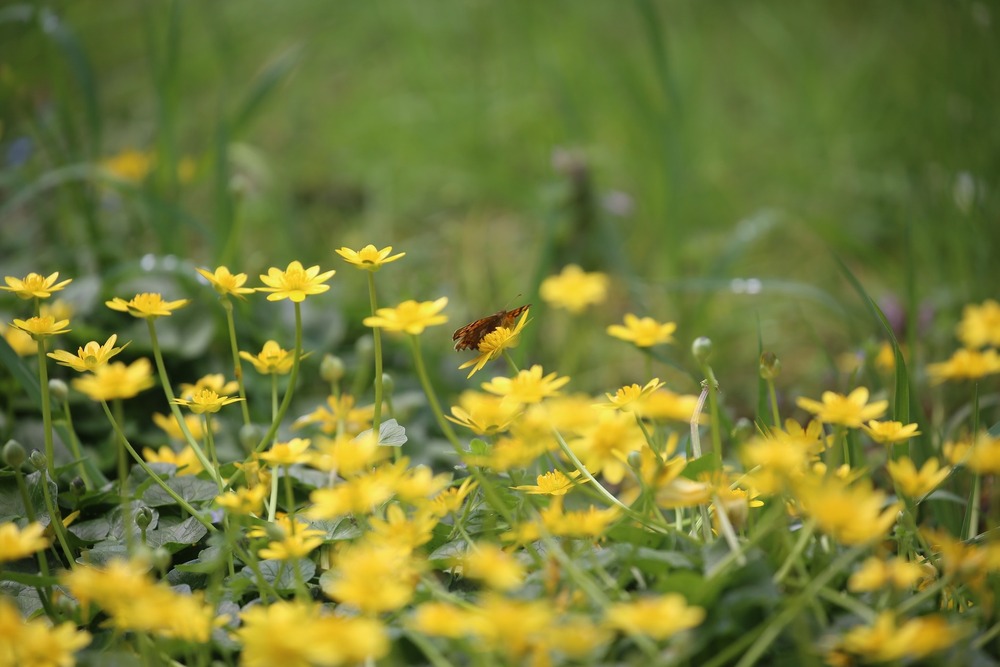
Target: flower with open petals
[
  {"x": 295, "y": 282},
  {"x": 528, "y": 386},
  {"x": 369, "y": 258},
  {"x": 411, "y": 317},
  {"x": 574, "y": 289},
  {"x": 244, "y": 500},
  {"x": 90, "y": 356},
  {"x": 34, "y": 286},
  {"x": 851, "y": 514},
  {"x": 42, "y": 327},
  {"x": 552, "y": 483},
  {"x": 643, "y": 332},
  {"x": 21, "y": 342},
  {"x": 630, "y": 398},
  {"x": 214, "y": 381},
  {"x": 295, "y": 544},
  {"x": 889, "y": 432},
  {"x": 287, "y": 453},
  {"x": 495, "y": 567},
  {"x": 17, "y": 543},
  {"x": 205, "y": 401},
  {"x": 146, "y": 305},
  {"x": 980, "y": 325},
  {"x": 186, "y": 460},
  {"x": 965, "y": 364},
  {"x": 226, "y": 283},
  {"x": 656, "y": 617},
  {"x": 917, "y": 483},
  {"x": 494, "y": 343},
  {"x": 851, "y": 410},
  {"x": 116, "y": 380},
  {"x": 483, "y": 414},
  {"x": 272, "y": 359}
]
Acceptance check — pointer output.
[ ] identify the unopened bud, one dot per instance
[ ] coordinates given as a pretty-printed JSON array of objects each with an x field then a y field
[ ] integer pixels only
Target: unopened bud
[
  {"x": 250, "y": 435},
  {"x": 770, "y": 365},
  {"x": 388, "y": 384},
  {"x": 143, "y": 517},
  {"x": 14, "y": 454},
  {"x": 161, "y": 559},
  {"x": 58, "y": 389},
  {"x": 635, "y": 460},
  {"x": 38, "y": 459},
  {"x": 701, "y": 348},
  {"x": 331, "y": 369},
  {"x": 77, "y": 486}
]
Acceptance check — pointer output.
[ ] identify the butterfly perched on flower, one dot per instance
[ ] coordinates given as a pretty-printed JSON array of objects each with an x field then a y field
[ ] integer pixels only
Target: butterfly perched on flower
[{"x": 472, "y": 334}]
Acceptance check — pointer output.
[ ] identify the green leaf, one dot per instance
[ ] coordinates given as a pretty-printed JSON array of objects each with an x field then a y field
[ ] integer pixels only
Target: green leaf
[
  {"x": 212, "y": 559},
  {"x": 994, "y": 431},
  {"x": 25, "y": 597},
  {"x": 280, "y": 573},
  {"x": 178, "y": 536},
  {"x": 103, "y": 552},
  {"x": 12, "y": 505},
  {"x": 92, "y": 530},
  {"x": 704, "y": 463},
  {"x": 263, "y": 86},
  {"x": 192, "y": 489}
]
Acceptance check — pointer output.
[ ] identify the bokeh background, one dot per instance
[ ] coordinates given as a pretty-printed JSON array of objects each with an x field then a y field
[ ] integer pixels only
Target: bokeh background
[{"x": 723, "y": 161}]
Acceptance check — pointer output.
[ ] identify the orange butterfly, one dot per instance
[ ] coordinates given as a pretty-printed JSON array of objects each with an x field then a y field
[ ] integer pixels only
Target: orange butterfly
[{"x": 471, "y": 335}]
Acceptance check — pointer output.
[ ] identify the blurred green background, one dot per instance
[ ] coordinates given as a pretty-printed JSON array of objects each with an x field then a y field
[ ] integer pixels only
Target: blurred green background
[{"x": 714, "y": 157}]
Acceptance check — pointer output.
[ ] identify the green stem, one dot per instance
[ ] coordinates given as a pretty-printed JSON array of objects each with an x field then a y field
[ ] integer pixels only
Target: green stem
[
  {"x": 74, "y": 443},
  {"x": 272, "y": 503},
  {"x": 804, "y": 535},
  {"x": 432, "y": 399},
  {"x": 377, "y": 334},
  {"x": 713, "y": 409},
  {"x": 773, "y": 396},
  {"x": 695, "y": 418},
  {"x": 55, "y": 520},
  {"x": 123, "y": 493},
  {"x": 183, "y": 504},
  {"x": 227, "y": 306},
  {"x": 289, "y": 495},
  {"x": 174, "y": 408},
  {"x": 43, "y": 379},
  {"x": 29, "y": 511},
  {"x": 292, "y": 379},
  {"x": 210, "y": 445}
]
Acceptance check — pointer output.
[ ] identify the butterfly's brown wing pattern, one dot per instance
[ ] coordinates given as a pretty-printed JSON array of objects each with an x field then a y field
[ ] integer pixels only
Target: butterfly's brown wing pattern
[{"x": 472, "y": 334}]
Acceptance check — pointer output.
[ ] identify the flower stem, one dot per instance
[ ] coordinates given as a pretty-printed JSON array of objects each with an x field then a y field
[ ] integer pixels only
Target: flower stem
[
  {"x": 74, "y": 444},
  {"x": 227, "y": 306},
  {"x": 292, "y": 379},
  {"x": 425, "y": 382},
  {"x": 123, "y": 477},
  {"x": 174, "y": 408},
  {"x": 156, "y": 478},
  {"x": 773, "y": 397},
  {"x": 377, "y": 335},
  {"x": 43, "y": 379},
  {"x": 210, "y": 445},
  {"x": 55, "y": 520}
]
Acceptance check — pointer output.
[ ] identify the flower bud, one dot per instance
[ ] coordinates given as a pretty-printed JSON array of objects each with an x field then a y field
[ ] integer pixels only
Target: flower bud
[
  {"x": 770, "y": 365},
  {"x": 635, "y": 460},
  {"x": 38, "y": 459},
  {"x": 331, "y": 369},
  {"x": 250, "y": 435},
  {"x": 77, "y": 486},
  {"x": 364, "y": 347},
  {"x": 161, "y": 559},
  {"x": 701, "y": 348},
  {"x": 58, "y": 389},
  {"x": 388, "y": 384},
  {"x": 13, "y": 454},
  {"x": 143, "y": 517}
]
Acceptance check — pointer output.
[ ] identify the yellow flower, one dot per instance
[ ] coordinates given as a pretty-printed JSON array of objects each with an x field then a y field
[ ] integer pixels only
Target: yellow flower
[
  {"x": 981, "y": 454},
  {"x": 90, "y": 356},
  {"x": 527, "y": 386},
  {"x": 37, "y": 643},
  {"x": 295, "y": 282},
  {"x": 272, "y": 360},
  {"x": 34, "y": 285},
  {"x": 917, "y": 484},
  {"x": 22, "y": 343},
  {"x": 914, "y": 639},
  {"x": 493, "y": 566},
  {"x": 875, "y": 573},
  {"x": 358, "y": 495},
  {"x": 243, "y": 500},
  {"x": 398, "y": 530},
  {"x": 511, "y": 452},
  {"x": 214, "y": 381},
  {"x": 168, "y": 424},
  {"x": 146, "y": 305},
  {"x": 410, "y": 316},
  {"x": 41, "y": 327},
  {"x": 494, "y": 343},
  {"x": 483, "y": 414},
  {"x": 347, "y": 456},
  {"x": 589, "y": 523},
  {"x": 441, "y": 619},
  {"x": 16, "y": 544},
  {"x": 574, "y": 289},
  {"x": 226, "y": 283},
  {"x": 643, "y": 332},
  {"x": 372, "y": 577},
  {"x": 965, "y": 365},
  {"x": 552, "y": 483},
  {"x": 294, "y": 545},
  {"x": 665, "y": 404},
  {"x": 287, "y": 453},
  {"x": 186, "y": 460},
  {"x": 656, "y": 617},
  {"x": 369, "y": 258},
  {"x": 850, "y": 410},
  {"x": 129, "y": 165},
  {"x": 339, "y": 413},
  {"x": 450, "y": 500},
  {"x": 630, "y": 398},
  {"x": 980, "y": 325},
  {"x": 206, "y": 401},
  {"x": 417, "y": 483},
  {"x": 889, "y": 433},
  {"x": 605, "y": 445},
  {"x": 852, "y": 515},
  {"x": 116, "y": 380}
]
